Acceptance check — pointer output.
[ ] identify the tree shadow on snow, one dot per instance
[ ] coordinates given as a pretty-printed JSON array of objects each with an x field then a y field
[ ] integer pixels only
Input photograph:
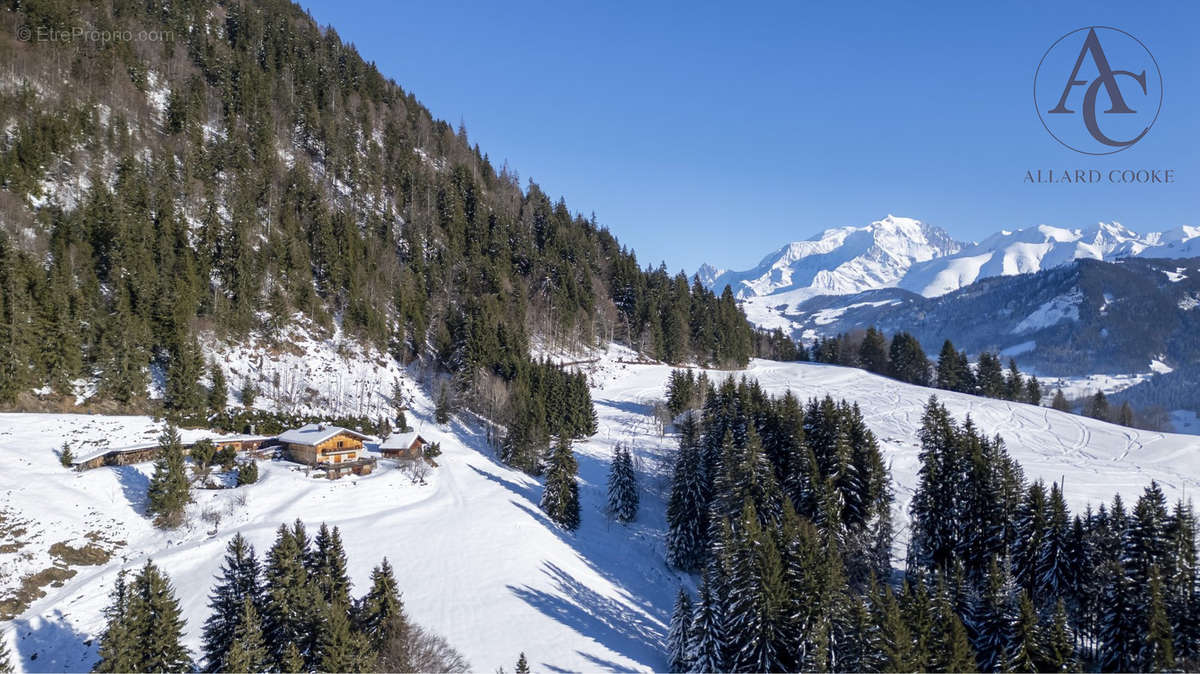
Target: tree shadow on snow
[
  {"x": 135, "y": 486},
  {"x": 605, "y": 619},
  {"x": 50, "y": 644},
  {"x": 530, "y": 493},
  {"x": 627, "y": 406}
]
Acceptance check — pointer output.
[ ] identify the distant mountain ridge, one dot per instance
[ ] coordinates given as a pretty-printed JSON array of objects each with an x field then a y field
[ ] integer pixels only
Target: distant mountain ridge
[
  {"x": 839, "y": 261},
  {"x": 907, "y": 254}
]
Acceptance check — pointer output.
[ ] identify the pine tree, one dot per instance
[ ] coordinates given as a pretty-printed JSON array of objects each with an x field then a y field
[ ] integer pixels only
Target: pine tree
[
  {"x": 340, "y": 647},
  {"x": 679, "y": 634},
  {"x": 522, "y": 664},
  {"x": 992, "y": 618},
  {"x": 247, "y": 472},
  {"x": 708, "y": 642},
  {"x": 249, "y": 392},
  {"x": 622, "y": 486},
  {"x": 382, "y": 620},
  {"x": 116, "y": 647},
  {"x": 1158, "y": 651},
  {"x": 288, "y": 619},
  {"x": 66, "y": 457},
  {"x": 218, "y": 393},
  {"x": 327, "y": 566},
  {"x": 290, "y": 659},
  {"x": 183, "y": 392},
  {"x": 247, "y": 652},
  {"x": 560, "y": 498},
  {"x": 237, "y": 584},
  {"x": 1120, "y": 631},
  {"x": 168, "y": 491},
  {"x": 897, "y": 640},
  {"x": 951, "y": 650},
  {"x": 441, "y": 412},
  {"x": 1060, "y": 402},
  {"x": 1059, "y": 644},
  {"x": 1097, "y": 406},
  {"x": 155, "y": 624},
  {"x": 756, "y": 620},
  {"x": 872, "y": 352},
  {"x": 687, "y": 505},
  {"x": 1025, "y": 649}
]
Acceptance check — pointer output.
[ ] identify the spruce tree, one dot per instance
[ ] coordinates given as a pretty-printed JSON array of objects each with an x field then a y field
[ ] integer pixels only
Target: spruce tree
[
  {"x": 687, "y": 505},
  {"x": 992, "y": 618},
  {"x": 116, "y": 647},
  {"x": 622, "y": 486},
  {"x": 1158, "y": 648},
  {"x": 441, "y": 412},
  {"x": 155, "y": 624},
  {"x": 288, "y": 619},
  {"x": 560, "y": 498},
  {"x": 1121, "y": 631},
  {"x": 66, "y": 457},
  {"x": 237, "y": 583},
  {"x": 168, "y": 492},
  {"x": 1025, "y": 650},
  {"x": 708, "y": 642},
  {"x": 951, "y": 648},
  {"x": 756, "y": 618},
  {"x": 522, "y": 664},
  {"x": 339, "y": 647},
  {"x": 327, "y": 566},
  {"x": 183, "y": 393},
  {"x": 679, "y": 633},
  {"x": 218, "y": 393},
  {"x": 382, "y": 620},
  {"x": 872, "y": 352},
  {"x": 1058, "y": 653},
  {"x": 895, "y": 638},
  {"x": 1060, "y": 402},
  {"x": 247, "y": 651}
]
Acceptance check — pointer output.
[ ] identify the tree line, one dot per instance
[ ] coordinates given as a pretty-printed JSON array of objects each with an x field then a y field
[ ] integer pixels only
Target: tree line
[
  {"x": 290, "y": 612},
  {"x": 381, "y": 221},
  {"x": 999, "y": 575}
]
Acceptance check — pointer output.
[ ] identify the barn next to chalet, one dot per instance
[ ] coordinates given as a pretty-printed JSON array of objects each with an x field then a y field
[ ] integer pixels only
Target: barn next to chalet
[
  {"x": 336, "y": 450},
  {"x": 406, "y": 445},
  {"x": 123, "y": 456}
]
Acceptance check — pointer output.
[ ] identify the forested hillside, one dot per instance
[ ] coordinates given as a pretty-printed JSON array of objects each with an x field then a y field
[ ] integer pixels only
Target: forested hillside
[{"x": 212, "y": 168}]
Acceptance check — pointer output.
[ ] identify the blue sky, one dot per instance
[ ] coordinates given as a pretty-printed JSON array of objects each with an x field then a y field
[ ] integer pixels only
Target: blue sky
[{"x": 716, "y": 132}]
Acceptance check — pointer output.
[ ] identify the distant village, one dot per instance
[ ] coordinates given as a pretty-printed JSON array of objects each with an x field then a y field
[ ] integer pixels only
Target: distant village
[{"x": 331, "y": 450}]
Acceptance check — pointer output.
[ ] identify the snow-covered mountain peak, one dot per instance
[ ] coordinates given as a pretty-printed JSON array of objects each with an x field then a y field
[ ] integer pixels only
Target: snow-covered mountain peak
[{"x": 839, "y": 260}]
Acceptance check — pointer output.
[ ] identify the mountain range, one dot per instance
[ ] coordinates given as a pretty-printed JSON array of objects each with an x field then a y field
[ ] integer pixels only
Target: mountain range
[{"x": 925, "y": 260}]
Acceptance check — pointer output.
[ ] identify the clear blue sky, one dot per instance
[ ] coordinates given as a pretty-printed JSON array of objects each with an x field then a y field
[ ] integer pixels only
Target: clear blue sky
[{"x": 716, "y": 132}]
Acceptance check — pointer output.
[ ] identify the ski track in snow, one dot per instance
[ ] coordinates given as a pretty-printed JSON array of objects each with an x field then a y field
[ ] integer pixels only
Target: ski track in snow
[{"x": 476, "y": 559}]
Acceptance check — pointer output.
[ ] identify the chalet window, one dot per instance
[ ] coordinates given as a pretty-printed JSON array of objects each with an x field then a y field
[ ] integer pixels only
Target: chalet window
[{"x": 340, "y": 443}]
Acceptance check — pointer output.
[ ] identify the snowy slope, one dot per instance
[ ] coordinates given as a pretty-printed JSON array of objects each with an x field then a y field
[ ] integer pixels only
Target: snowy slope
[{"x": 475, "y": 558}]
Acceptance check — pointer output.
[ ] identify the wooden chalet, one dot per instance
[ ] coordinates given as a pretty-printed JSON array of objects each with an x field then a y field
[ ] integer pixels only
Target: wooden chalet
[
  {"x": 336, "y": 450},
  {"x": 406, "y": 445}
]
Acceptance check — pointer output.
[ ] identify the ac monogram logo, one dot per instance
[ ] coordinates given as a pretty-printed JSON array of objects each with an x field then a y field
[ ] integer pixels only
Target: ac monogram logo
[{"x": 1098, "y": 98}]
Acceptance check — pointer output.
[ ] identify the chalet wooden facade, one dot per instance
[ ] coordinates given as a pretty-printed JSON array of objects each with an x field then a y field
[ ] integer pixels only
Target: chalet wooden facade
[
  {"x": 406, "y": 445},
  {"x": 338, "y": 451}
]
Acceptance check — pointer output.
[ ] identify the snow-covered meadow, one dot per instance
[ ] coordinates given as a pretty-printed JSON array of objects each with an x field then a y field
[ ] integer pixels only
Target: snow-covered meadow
[{"x": 475, "y": 558}]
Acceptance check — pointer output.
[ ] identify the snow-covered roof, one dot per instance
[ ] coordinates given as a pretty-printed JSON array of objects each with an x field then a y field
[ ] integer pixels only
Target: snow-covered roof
[
  {"x": 314, "y": 434},
  {"x": 400, "y": 440},
  {"x": 114, "y": 450}
]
